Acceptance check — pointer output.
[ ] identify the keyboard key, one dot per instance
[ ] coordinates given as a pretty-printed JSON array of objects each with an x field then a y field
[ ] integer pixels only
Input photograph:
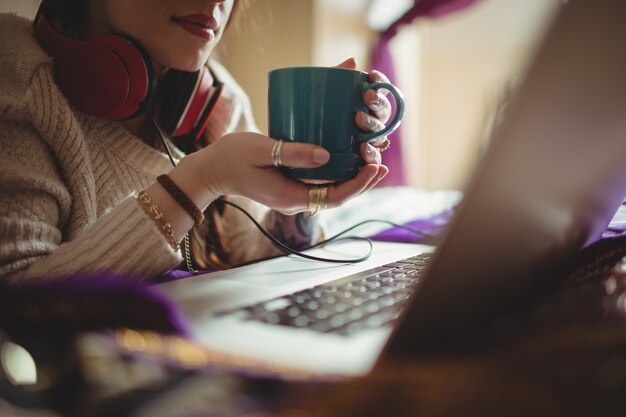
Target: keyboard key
[
  {"x": 338, "y": 321},
  {"x": 293, "y": 311},
  {"x": 301, "y": 321},
  {"x": 277, "y": 304},
  {"x": 272, "y": 318},
  {"x": 322, "y": 326},
  {"x": 301, "y": 298},
  {"x": 322, "y": 314},
  {"x": 354, "y": 277},
  {"x": 312, "y": 305}
]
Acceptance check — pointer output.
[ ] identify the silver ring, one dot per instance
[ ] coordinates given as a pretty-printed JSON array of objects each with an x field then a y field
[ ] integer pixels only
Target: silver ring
[{"x": 276, "y": 154}]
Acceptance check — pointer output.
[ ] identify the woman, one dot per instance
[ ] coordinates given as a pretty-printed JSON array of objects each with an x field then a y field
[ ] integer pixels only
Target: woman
[{"x": 79, "y": 192}]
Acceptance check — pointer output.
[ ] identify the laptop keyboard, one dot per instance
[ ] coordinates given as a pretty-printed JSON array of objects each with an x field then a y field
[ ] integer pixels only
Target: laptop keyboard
[{"x": 370, "y": 299}]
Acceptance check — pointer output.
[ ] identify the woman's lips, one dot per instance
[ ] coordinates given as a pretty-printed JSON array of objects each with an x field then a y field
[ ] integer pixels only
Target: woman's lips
[{"x": 199, "y": 25}]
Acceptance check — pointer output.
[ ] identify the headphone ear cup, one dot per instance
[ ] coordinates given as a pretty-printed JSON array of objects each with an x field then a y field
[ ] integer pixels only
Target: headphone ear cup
[
  {"x": 106, "y": 76},
  {"x": 139, "y": 73}
]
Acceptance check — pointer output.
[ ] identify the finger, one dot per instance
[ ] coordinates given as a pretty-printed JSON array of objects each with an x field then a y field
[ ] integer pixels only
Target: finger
[
  {"x": 349, "y": 63},
  {"x": 339, "y": 194},
  {"x": 378, "y": 77},
  {"x": 298, "y": 194},
  {"x": 382, "y": 173},
  {"x": 294, "y": 198},
  {"x": 370, "y": 154},
  {"x": 298, "y": 155},
  {"x": 378, "y": 104},
  {"x": 367, "y": 122},
  {"x": 375, "y": 76}
]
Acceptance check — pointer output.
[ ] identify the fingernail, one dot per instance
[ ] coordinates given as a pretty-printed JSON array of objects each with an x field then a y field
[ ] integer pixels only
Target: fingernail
[
  {"x": 369, "y": 149},
  {"x": 320, "y": 156},
  {"x": 367, "y": 119},
  {"x": 376, "y": 102}
]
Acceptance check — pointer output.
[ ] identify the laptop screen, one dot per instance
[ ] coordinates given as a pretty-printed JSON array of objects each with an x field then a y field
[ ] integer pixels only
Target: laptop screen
[{"x": 548, "y": 185}]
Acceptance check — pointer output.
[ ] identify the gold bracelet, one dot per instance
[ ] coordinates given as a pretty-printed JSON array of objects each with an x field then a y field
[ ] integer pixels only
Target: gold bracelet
[
  {"x": 166, "y": 227},
  {"x": 181, "y": 198},
  {"x": 187, "y": 251}
]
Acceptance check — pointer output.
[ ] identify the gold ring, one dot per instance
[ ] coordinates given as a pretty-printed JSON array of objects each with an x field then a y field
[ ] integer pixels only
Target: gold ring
[
  {"x": 383, "y": 146},
  {"x": 276, "y": 154},
  {"x": 317, "y": 199}
]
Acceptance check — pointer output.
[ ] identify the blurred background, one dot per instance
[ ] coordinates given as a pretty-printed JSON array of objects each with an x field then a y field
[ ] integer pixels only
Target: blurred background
[{"x": 453, "y": 69}]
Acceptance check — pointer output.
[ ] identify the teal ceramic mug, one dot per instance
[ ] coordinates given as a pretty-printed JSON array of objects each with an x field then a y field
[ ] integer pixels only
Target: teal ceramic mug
[{"x": 318, "y": 105}]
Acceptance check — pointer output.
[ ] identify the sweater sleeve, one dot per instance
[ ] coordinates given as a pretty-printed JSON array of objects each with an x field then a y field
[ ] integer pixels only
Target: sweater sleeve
[{"x": 35, "y": 207}]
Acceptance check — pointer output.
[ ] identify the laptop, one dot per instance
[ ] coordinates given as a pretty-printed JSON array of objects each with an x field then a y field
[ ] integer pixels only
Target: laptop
[{"x": 549, "y": 183}]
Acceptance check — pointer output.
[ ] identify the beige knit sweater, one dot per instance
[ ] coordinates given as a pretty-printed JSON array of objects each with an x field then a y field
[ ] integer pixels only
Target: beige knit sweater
[{"x": 68, "y": 181}]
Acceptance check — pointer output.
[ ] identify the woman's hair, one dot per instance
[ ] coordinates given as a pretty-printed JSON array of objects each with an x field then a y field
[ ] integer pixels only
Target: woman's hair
[
  {"x": 71, "y": 16},
  {"x": 239, "y": 9}
]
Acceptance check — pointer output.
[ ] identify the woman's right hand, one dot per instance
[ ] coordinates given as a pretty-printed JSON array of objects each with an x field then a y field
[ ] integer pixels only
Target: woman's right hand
[{"x": 241, "y": 164}]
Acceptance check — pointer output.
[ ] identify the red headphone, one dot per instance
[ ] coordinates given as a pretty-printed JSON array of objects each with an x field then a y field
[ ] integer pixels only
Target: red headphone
[{"x": 111, "y": 76}]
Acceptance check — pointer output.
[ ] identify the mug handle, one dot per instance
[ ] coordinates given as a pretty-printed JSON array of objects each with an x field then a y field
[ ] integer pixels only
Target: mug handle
[{"x": 397, "y": 117}]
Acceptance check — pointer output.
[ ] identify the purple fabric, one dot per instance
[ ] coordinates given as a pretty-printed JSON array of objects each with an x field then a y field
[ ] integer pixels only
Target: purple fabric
[
  {"x": 88, "y": 302},
  {"x": 617, "y": 227},
  {"x": 430, "y": 226},
  {"x": 176, "y": 274},
  {"x": 383, "y": 61},
  {"x": 615, "y": 230},
  {"x": 434, "y": 225},
  {"x": 425, "y": 8}
]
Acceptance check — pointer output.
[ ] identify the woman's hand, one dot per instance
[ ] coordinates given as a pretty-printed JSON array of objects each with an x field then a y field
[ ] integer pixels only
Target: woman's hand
[
  {"x": 376, "y": 101},
  {"x": 241, "y": 164}
]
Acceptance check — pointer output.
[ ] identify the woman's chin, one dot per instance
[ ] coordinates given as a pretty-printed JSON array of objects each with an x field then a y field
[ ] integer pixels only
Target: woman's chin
[{"x": 180, "y": 64}]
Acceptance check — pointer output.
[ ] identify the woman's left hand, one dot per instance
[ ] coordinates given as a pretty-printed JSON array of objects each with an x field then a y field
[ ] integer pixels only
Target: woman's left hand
[
  {"x": 378, "y": 104},
  {"x": 380, "y": 112}
]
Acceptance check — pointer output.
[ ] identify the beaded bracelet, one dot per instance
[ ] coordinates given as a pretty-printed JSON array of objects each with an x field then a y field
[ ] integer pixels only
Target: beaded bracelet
[
  {"x": 158, "y": 216},
  {"x": 181, "y": 198}
]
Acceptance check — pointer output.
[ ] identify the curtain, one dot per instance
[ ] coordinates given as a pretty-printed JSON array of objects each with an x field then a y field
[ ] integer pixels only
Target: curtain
[{"x": 382, "y": 60}]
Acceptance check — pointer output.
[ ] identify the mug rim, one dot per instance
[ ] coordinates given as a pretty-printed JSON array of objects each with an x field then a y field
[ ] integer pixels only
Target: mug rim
[{"x": 315, "y": 67}]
